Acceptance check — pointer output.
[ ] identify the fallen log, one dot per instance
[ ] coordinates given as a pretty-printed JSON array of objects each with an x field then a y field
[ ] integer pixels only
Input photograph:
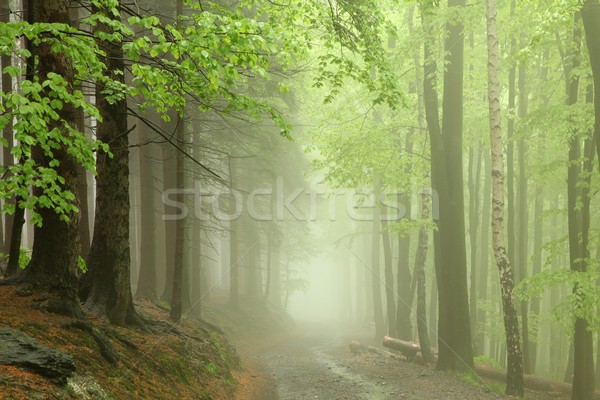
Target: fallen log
[
  {"x": 408, "y": 349},
  {"x": 357, "y": 348},
  {"x": 412, "y": 351}
]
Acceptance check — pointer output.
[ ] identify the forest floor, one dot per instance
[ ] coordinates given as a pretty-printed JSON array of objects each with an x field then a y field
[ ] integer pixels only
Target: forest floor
[
  {"x": 314, "y": 361},
  {"x": 276, "y": 359},
  {"x": 188, "y": 361}
]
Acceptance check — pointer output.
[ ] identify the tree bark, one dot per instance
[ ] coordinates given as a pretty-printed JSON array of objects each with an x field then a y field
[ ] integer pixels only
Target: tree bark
[
  {"x": 177, "y": 291},
  {"x": 375, "y": 275},
  {"x": 583, "y": 358},
  {"x": 455, "y": 346},
  {"x": 420, "y": 260},
  {"x": 7, "y": 133},
  {"x": 54, "y": 260},
  {"x": 109, "y": 256},
  {"x": 514, "y": 376},
  {"x": 522, "y": 242},
  {"x": 389, "y": 277},
  {"x": 146, "y": 286},
  {"x": 590, "y": 13},
  {"x": 474, "y": 188},
  {"x": 485, "y": 246}
]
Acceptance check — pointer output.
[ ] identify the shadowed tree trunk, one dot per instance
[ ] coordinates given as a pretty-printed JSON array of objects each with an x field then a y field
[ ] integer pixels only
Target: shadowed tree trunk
[
  {"x": 54, "y": 261},
  {"x": 7, "y": 133},
  {"x": 583, "y": 358},
  {"x": 109, "y": 256},
  {"x": 514, "y": 377},
  {"x": 177, "y": 292}
]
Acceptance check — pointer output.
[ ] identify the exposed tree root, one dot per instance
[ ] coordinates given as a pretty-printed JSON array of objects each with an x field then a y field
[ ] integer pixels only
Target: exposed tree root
[{"x": 106, "y": 348}]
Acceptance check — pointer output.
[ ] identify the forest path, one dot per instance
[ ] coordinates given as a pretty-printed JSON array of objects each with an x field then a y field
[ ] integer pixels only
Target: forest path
[{"x": 316, "y": 363}]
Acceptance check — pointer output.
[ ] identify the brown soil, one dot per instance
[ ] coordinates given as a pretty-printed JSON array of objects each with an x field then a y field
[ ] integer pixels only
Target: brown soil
[{"x": 186, "y": 361}]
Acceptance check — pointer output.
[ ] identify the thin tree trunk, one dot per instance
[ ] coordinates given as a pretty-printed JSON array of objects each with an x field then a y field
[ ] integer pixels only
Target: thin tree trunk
[
  {"x": 7, "y": 133},
  {"x": 234, "y": 279},
  {"x": 169, "y": 176},
  {"x": 268, "y": 265},
  {"x": 177, "y": 292},
  {"x": 420, "y": 260},
  {"x": 146, "y": 286},
  {"x": 375, "y": 276},
  {"x": 389, "y": 277},
  {"x": 485, "y": 246},
  {"x": 522, "y": 247},
  {"x": 474, "y": 187},
  {"x": 514, "y": 378},
  {"x": 537, "y": 268}
]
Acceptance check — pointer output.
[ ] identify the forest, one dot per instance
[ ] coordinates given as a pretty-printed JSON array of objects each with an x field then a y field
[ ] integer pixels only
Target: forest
[{"x": 418, "y": 177}]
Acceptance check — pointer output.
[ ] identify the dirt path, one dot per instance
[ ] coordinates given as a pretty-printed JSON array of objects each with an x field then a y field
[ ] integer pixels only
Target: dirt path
[{"x": 316, "y": 363}]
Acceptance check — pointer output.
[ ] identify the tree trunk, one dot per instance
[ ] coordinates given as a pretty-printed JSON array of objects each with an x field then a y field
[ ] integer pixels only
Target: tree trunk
[
  {"x": 54, "y": 261},
  {"x": 590, "y": 13},
  {"x": 514, "y": 376},
  {"x": 7, "y": 133},
  {"x": 420, "y": 260},
  {"x": 375, "y": 276},
  {"x": 389, "y": 277},
  {"x": 537, "y": 268},
  {"x": 474, "y": 185},
  {"x": 455, "y": 346},
  {"x": 169, "y": 176},
  {"x": 485, "y": 246},
  {"x": 522, "y": 247},
  {"x": 234, "y": 279},
  {"x": 146, "y": 286},
  {"x": 583, "y": 358},
  {"x": 109, "y": 256},
  {"x": 177, "y": 291}
]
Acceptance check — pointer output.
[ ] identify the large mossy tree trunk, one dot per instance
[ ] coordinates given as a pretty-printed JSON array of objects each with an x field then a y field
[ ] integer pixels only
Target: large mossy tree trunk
[
  {"x": 109, "y": 256},
  {"x": 54, "y": 260},
  {"x": 514, "y": 378}
]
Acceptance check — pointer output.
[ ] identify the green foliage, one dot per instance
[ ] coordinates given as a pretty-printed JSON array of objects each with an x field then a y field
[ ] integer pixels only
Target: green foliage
[
  {"x": 24, "y": 258},
  {"x": 582, "y": 300},
  {"x": 36, "y": 111}
]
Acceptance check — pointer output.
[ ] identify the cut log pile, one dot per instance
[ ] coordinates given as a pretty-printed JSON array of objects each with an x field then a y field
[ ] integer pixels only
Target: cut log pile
[{"x": 412, "y": 352}]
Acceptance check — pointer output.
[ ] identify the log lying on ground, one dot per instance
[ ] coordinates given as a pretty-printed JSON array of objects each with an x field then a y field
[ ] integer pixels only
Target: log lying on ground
[
  {"x": 412, "y": 351},
  {"x": 357, "y": 348},
  {"x": 408, "y": 349}
]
